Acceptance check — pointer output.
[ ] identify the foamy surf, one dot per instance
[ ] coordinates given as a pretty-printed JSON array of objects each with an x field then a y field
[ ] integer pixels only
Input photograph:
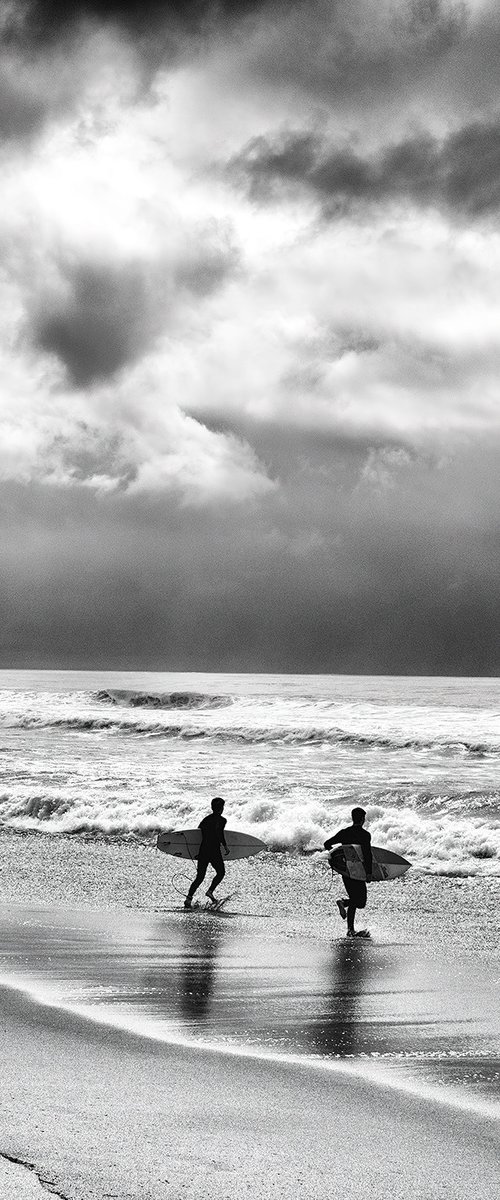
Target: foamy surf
[{"x": 128, "y": 756}]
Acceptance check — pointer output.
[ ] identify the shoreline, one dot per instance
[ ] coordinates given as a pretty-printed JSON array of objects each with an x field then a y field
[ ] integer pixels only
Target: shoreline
[
  {"x": 253, "y": 1127},
  {"x": 246, "y": 987},
  {"x": 371, "y": 1073},
  {"x": 259, "y": 1050}
]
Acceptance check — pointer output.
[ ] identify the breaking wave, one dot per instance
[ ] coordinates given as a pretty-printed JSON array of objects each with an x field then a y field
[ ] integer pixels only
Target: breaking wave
[
  {"x": 272, "y": 735},
  {"x": 291, "y": 758},
  {"x": 167, "y": 700},
  {"x": 450, "y": 836}
]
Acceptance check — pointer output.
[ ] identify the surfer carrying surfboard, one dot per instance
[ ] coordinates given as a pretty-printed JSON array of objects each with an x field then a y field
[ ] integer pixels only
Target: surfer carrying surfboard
[
  {"x": 212, "y": 838},
  {"x": 356, "y": 835}
]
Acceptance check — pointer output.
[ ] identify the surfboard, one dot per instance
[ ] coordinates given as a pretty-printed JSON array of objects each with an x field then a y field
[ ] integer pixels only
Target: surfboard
[
  {"x": 348, "y": 860},
  {"x": 185, "y": 843}
]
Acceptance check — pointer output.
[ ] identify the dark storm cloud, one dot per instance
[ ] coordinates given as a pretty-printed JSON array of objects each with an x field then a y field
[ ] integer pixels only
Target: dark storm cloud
[
  {"x": 101, "y": 324},
  {"x": 36, "y": 87},
  {"x": 36, "y": 32},
  {"x": 327, "y": 49},
  {"x": 360, "y": 53},
  {"x": 460, "y": 172},
  {"x": 41, "y": 21},
  {"x": 21, "y": 113},
  {"x": 105, "y": 316},
  {"x": 380, "y": 586}
]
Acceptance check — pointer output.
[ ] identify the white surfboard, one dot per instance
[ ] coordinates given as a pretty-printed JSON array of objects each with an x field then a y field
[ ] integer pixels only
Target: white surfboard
[
  {"x": 185, "y": 843},
  {"x": 348, "y": 860}
]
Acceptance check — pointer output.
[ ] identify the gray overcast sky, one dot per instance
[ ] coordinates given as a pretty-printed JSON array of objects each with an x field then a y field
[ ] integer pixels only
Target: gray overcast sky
[{"x": 250, "y": 326}]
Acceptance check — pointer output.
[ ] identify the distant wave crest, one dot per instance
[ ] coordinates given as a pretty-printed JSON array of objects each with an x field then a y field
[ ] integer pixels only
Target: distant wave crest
[
  {"x": 133, "y": 699},
  {"x": 258, "y": 735}
]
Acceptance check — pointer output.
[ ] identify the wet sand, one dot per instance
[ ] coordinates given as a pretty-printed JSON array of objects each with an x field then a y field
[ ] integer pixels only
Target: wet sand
[
  {"x": 173, "y": 1054},
  {"x": 150, "y": 1054},
  {"x": 102, "y": 1113},
  {"x": 382, "y": 1008}
]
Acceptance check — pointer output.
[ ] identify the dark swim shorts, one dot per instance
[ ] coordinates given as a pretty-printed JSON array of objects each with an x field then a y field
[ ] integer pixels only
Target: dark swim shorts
[
  {"x": 356, "y": 890},
  {"x": 211, "y": 858}
]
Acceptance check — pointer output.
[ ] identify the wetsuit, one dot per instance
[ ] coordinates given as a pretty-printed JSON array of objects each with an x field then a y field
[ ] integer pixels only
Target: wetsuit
[
  {"x": 212, "y": 837},
  {"x": 355, "y": 835}
]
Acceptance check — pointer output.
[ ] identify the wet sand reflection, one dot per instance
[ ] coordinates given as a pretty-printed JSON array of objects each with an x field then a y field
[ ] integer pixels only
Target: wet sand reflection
[{"x": 198, "y": 976}]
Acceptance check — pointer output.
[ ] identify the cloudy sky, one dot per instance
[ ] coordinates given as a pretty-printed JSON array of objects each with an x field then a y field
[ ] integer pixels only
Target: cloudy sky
[{"x": 250, "y": 326}]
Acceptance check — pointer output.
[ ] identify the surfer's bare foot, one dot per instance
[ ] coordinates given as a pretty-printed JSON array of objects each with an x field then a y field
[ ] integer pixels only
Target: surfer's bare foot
[
  {"x": 341, "y": 908},
  {"x": 187, "y": 902},
  {"x": 210, "y": 896}
]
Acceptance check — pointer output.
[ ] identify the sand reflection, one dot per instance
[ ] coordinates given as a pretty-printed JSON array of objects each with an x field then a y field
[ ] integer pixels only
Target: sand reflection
[
  {"x": 198, "y": 971},
  {"x": 339, "y": 1028}
]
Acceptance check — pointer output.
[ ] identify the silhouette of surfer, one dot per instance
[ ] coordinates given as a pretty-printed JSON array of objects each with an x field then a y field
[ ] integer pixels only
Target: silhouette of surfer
[
  {"x": 212, "y": 838},
  {"x": 354, "y": 834}
]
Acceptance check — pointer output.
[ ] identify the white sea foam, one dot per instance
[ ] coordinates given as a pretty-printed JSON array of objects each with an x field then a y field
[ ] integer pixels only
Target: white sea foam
[
  {"x": 291, "y": 755},
  {"x": 439, "y": 843}
]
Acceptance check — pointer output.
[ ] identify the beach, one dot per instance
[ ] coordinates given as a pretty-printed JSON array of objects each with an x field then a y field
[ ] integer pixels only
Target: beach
[
  {"x": 99, "y": 1113},
  {"x": 250, "y": 598},
  {"x": 148, "y": 1052}
]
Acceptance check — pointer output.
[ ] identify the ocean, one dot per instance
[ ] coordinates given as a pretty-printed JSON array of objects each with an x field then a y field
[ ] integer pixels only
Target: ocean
[
  {"x": 123, "y": 755},
  {"x": 94, "y": 936}
]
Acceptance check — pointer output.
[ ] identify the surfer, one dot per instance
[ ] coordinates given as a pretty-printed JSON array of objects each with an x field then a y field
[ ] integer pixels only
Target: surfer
[
  {"x": 212, "y": 838},
  {"x": 354, "y": 834}
]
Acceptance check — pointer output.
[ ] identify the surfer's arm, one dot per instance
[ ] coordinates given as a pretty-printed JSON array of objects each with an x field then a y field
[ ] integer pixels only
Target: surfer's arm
[
  {"x": 223, "y": 837},
  {"x": 367, "y": 857},
  {"x": 337, "y": 837}
]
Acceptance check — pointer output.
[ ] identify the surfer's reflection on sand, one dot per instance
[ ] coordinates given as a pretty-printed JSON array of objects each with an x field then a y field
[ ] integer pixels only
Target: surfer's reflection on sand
[
  {"x": 198, "y": 971},
  {"x": 182, "y": 988},
  {"x": 344, "y": 1025}
]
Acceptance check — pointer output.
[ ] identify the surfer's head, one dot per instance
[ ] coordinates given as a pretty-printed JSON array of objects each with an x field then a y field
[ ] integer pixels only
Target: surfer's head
[
  {"x": 217, "y": 804},
  {"x": 358, "y": 816}
]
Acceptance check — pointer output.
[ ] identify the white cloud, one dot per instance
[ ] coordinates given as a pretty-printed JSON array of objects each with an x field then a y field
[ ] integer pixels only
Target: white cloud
[{"x": 116, "y": 225}]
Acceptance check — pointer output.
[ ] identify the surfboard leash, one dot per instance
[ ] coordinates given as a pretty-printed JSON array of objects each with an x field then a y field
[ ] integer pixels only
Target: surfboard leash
[{"x": 178, "y": 875}]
